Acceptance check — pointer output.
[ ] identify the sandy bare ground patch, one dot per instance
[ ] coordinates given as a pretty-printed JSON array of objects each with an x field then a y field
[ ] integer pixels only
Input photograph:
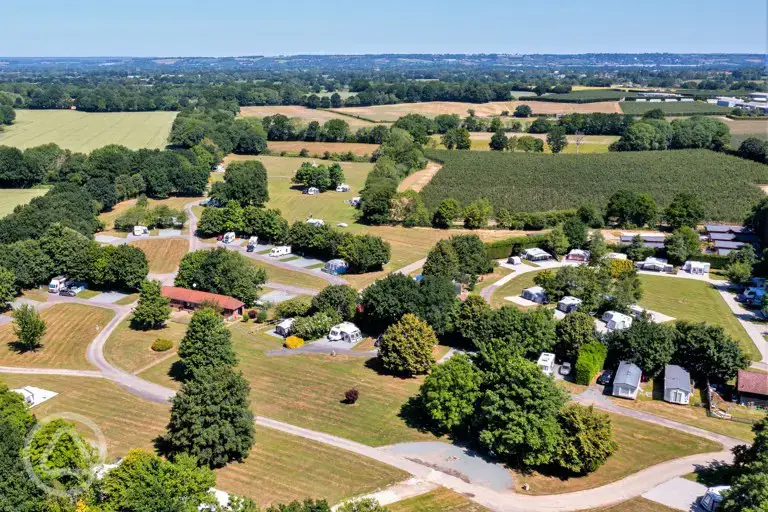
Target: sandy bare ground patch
[
  {"x": 764, "y": 188},
  {"x": 318, "y": 148},
  {"x": 433, "y": 108},
  {"x": 303, "y": 113},
  {"x": 419, "y": 179},
  {"x": 746, "y": 126}
]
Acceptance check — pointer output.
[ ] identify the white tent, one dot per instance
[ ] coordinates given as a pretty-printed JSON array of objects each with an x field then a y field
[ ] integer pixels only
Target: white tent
[
  {"x": 697, "y": 267},
  {"x": 35, "y": 396},
  {"x": 568, "y": 304}
]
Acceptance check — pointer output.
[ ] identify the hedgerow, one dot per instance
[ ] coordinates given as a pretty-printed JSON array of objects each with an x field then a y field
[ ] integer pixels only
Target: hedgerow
[
  {"x": 536, "y": 183},
  {"x": 591, "y": 360}
]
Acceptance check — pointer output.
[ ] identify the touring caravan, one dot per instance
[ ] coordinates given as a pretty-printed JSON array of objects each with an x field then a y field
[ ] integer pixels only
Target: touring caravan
[
  {"x": 140, "y": 230},
  {"x": 281, "y": 250},
  {"x": 345, "y": 331},
  {"x": 252, "y": 242}
]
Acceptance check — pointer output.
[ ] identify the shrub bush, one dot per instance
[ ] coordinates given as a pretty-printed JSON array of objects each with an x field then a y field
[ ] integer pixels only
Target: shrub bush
[
  {"x": 161, "y": 345},
  {"x": 351, "y": 396},
  {"x": 293, "y": 342},
  {"x": 315, "y": 326},
  {"x": 252, "y": 314},
  {"x": 514, "y": 245},
  {"x": 262, "y": 316},
  {"x": 293, "y": 308},
  {"x": 590, "y": 361}
]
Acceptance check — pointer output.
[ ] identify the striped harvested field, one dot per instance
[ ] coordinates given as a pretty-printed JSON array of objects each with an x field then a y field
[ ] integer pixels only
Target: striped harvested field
[
  {"x": 304, "y": 114},
  {"x": 163, "y": 254},
  {"x": 316, "y": 149}
]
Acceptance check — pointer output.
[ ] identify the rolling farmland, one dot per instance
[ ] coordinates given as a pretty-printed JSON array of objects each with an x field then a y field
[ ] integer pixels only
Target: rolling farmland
[
  {"x": 529, "y": 182},
  {"x": 318, "y": 148},
  {"x": 10, "y": 198},
  {"x": 304, "y": 114},
  {"x": 84, "y": 132}
]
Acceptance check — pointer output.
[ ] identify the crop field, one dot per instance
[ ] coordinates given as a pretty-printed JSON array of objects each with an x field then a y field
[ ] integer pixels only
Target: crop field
[
  {"x": 588, "y": 95},
  {"x": 303, "y": 114},
  {"x": 71, "y": 327},
  {"x": 280, "y": 468},
  {"x": 529, "y": 182},
  {"x": 439, "y": 500},
  {"x": 10, "y": 198},
  {"x": 433, "y": 108},
  {"x": 589, "y": 143},
  {"x": 84, "y": 132},
  {"x": 673, "y": 108},
  {"x": 641, "y": 445},
  {"x": 163, "y": 254},
  {"x": 129, "y": 349},
  {"x": 316, "y": 149},
  {"x": 742, "y": 129},
  {"x": 696, "y": 301}
]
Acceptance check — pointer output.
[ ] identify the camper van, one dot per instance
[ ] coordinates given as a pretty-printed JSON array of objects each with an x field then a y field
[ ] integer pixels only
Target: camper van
[
  {"x": 57, "y": 284},
  {"x": 342, "y": 187},
  {"x": 282, "y": 250},
  {"x": 345, "y": 331},
  {"x": 546, "y": 363},
  {"x": 229, "y": 237},
  {"x": 140, "y": 231},
  {"x": 252, "y": 242}
]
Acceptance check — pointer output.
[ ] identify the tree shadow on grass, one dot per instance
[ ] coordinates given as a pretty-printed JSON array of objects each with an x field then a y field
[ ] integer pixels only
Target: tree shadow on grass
[
  {"x": 716, "y": 473},
  {"x": 177, "y": 371},
  {"x": 413, "y": 413},
  {"x": 20, "y": 348}
]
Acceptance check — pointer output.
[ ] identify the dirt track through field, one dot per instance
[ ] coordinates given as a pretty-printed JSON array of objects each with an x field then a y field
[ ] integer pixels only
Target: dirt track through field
[{"x": 419, "y": 179}]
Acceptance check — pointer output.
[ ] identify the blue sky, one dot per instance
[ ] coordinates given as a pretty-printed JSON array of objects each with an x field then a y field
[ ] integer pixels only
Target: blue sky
[{"x": 269, "y": 27}]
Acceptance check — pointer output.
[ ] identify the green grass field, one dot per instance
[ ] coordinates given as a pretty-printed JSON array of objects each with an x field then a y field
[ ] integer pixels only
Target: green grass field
[
  {"x": 697, "y": 301},
  {"x": 535, "y": 182},
  {"x": 280, "y": 468},
  {"x": 71, "y": 328},
  {"x": 513, "y": 288},
  {"x": 439, "y": 500},
  {"x": 84, "y": 132},
  {"x": 673, "y": 108},
  {"x": 10, "y": 198},
  {"x": 130, "y": 350}
]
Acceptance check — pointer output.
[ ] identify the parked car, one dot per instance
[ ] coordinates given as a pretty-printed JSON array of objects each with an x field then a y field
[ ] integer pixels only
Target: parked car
[
  {"x": 565, "y": 368},
  {"x": 605, "y": 378},
  {"x": 68, "y": 292},
  {"x": 219, "y": 238}
]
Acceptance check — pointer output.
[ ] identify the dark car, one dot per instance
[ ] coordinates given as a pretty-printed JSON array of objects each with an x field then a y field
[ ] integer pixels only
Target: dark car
[
  {"x": 605, "y": 378},
  {"x": 219, "y": 238},
  {"x": 67, "y": 292},
  {"x": 250, "y": 248}
]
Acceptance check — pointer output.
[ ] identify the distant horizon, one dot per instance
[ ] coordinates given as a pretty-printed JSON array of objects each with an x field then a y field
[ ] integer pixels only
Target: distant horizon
[{"x": 326, "y": 54}]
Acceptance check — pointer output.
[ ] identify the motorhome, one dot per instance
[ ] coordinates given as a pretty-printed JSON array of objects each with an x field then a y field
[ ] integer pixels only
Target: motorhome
[
  {"x": 546, "y": 363},
  {"x": 281, "y": 250},
  {"x": 140, "y": 230},
  {"x": 345, "y": 331},
  {"x": 229, "y": 237},
  {"x": 252, "y": 243},
  {"x": 57, "y": 284}
]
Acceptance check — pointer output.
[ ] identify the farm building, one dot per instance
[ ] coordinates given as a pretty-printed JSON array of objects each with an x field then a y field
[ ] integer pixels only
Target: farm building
[
  {"x": 190, "y": 300},
  {"x": 616, "y": 321},
  {"x": 535, "y": 294},
  {"x": 752, "y": 388},
  {"x": 536, "y": 254},
  {"x": 577, "y": 255},
  {"x": 626, "y": 383},
  {"x": 34, "y": 396},
  {"x": 568, "y": 304},
  {"x": 696, "y": 267},
  {"x": 616, "y": 256},
  {"x": 758, "y": 96},
  {"x": 677, "y": 385},
  {"x": 724, "y": 248},
  {"x": 284, "y": 327},
  {"x": 655, "y": 240},
  {"x": 546, "y": 363},
  {"x": 336, "y": 267},
  {"x": 655, "y": 265}
]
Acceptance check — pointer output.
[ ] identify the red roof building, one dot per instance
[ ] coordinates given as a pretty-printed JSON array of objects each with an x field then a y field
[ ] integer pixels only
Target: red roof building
[
  {"x": 752, "y": 387},
  {"x": 184, "y": 298}
]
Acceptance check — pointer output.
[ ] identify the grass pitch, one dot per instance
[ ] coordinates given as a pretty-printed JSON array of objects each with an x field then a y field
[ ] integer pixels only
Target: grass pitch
[
  {"x": 71, "y": 327},
  {"x": 163, "y": 254},
  {"x": 439, "y": 500},
  {"x": 84, "y": 132},
  {"x": 10, "y": 198}
]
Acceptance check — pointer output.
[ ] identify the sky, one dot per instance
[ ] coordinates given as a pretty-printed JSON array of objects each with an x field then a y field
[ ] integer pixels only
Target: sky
[{"x": 282, "y": 27}]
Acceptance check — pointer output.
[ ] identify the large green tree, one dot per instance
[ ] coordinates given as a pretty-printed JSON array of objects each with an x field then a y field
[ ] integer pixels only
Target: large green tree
[
  {"x": 7, "y": 287},
  {"x": 340, "y": 299},
  {"x": 587, "y": 440},
  {"x": 207, "y": 343},
  {"x": 211, "y": 418},
  {"x": 449, "y": 393},
  {"x": 442, "y": 261},
  {"x": 649, "y": 345},
  {"x": 152, "y": 309},
  {"x": 573, "y": 331},
  {"x": 556, "y": 139},
  {"x": 221, "y": 271},
  {"x": 708, "y": 352},
  {"x": 244, "y": 182},
  {"x": 28, "y": 327},
  {"x": 682, "y": 245},
  {"x": 686, "y": 209},
  {"x": 406, "y": 347}
]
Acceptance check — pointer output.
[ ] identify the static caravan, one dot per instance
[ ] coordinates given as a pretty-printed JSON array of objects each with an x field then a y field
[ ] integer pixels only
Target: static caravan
[
  {"x": 342, "y": 187},
  {"x": 57, "y": 284},
  {"x": 535, "y": 294},
  {"x": 696, "y": 267},
  {"x": 626, "y": 383},
  {"x": 677, "y": 385},
  {"x": 655, "y": 265},
  {"x": 140, "y": 230},
  {"x": 546, "y": 363},
  {"x": 345, "y": 331},
  {"x": 281, "y": 250},
  {"x": 284, "y": 327},
  {"x": 616, "y": 321},
  {"x": 568, "y": 304}
]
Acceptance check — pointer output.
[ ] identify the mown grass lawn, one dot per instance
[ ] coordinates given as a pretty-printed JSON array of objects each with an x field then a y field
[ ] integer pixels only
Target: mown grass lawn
[
  {"x": 129, "y": 349},
  {"x": 513, "y": 288},
  {"x": 108, "y": 218},
  {"x": 163, "y": 254},
  {"x": 696, "y": 301},
  {"x": 128, "y": 299},
  {"x": 640, "y": 444},
  {"x": 10, "y": 198},
  {"x": 280, "y": 468},
  {"x": 439, "y": 500},
  {"x": 285, "y": 276},
  {"x": 308, "y": 390},
  {"x": 71, "y": 327},
  {"x": 638, "y": 504}
]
